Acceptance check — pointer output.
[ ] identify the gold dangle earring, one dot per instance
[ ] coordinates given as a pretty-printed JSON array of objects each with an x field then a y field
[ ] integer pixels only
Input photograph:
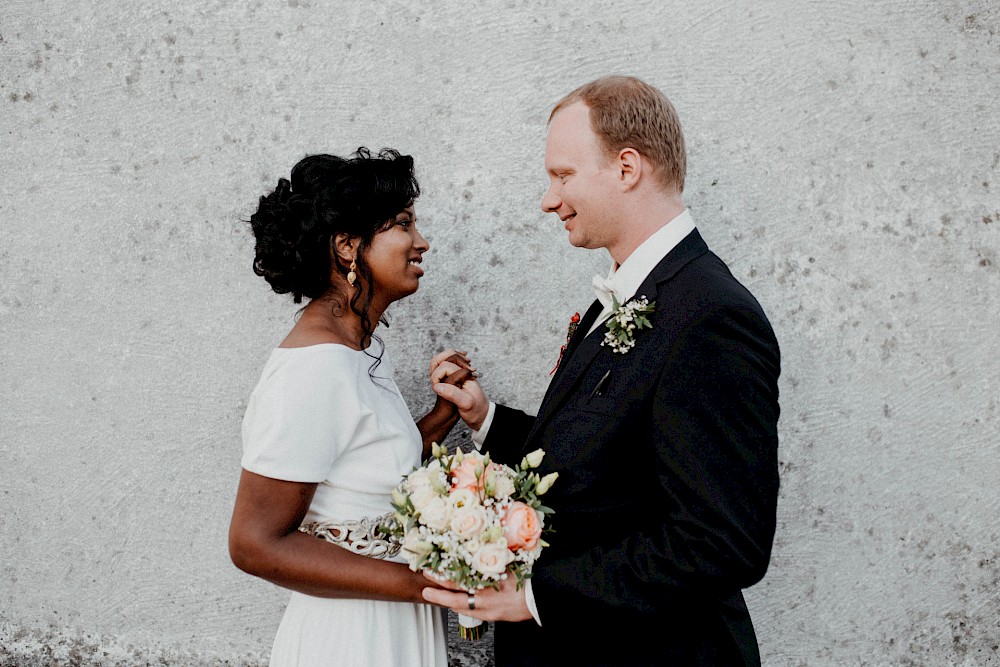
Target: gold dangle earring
[{"x": 352, "y": 276}]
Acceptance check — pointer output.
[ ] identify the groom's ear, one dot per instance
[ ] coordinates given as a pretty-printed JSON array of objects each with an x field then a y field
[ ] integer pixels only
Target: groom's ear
[{"x": 630, "y": 165}]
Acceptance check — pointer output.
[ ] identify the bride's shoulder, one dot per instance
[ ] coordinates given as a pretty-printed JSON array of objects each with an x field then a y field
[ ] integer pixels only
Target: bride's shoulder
[
  {"x": 312, "y": 375},
  {"x": 315, "y": 359}
]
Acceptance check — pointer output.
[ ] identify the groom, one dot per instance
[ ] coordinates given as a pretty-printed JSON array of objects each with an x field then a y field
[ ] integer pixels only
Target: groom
[{"x": 665, "y": 440}]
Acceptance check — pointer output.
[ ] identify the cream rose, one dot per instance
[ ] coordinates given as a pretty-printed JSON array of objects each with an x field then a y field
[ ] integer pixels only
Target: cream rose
[
  {"x": 467, "y": 522},
  {"x": 492, "y": 558},
  {"x": 504, "y": 486},
  {"x": 521, "y": 526},
  {"x": 436, "y": 514},
  {"x": 418, "y": 479},
  {"x": 421, "y": 496}
]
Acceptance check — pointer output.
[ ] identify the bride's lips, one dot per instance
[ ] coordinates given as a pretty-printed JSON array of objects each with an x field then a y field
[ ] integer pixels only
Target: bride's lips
[{"x": 416, "y": 266}]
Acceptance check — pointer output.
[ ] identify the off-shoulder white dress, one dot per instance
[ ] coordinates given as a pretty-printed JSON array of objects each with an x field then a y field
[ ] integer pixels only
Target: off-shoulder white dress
[{"x": 317, "y": 416}]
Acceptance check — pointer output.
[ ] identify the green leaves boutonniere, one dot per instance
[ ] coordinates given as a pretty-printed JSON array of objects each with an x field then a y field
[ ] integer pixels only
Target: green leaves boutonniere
[{"x": 625, "y": 320}]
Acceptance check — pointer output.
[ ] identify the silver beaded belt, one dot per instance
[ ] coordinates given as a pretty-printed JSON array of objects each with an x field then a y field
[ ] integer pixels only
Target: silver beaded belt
[{"x": 361, "y": 536}]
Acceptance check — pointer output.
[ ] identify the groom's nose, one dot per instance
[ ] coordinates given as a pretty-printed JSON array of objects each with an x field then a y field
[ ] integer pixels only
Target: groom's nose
[{"x": 551, "y": 201}]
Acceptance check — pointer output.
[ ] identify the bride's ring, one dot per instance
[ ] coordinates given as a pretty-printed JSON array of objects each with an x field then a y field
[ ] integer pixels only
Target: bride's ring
[{"x": 472, "y": 601}]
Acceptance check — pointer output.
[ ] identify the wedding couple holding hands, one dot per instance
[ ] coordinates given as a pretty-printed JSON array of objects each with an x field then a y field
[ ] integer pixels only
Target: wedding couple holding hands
[{"x": 660, "y": 420}]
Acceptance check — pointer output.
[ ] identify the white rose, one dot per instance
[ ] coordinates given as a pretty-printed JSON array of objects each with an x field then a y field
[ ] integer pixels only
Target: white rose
[
  {"x": 422, "y": 496},
  {"x": 504, "y": 488},
  {"x": 436, "y": 514},
  {"x": 467, "y": 522},
  {"x": 491, "y": 559},
  {"x": 418, "y": 478}
]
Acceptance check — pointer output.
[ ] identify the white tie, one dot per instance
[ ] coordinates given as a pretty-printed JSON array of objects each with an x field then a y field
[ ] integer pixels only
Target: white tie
[{"x": 604, "y": 289}]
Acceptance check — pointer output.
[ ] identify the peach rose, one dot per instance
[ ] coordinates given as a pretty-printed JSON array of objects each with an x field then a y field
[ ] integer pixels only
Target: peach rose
[
  {"x": 521, "y": 527},
  {"x": 465, "y": 475}
]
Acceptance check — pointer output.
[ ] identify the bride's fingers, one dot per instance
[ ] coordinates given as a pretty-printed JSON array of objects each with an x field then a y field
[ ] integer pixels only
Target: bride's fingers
[
  {"x": 461, "y": 360},
  {"x": 459, "y": 377}
]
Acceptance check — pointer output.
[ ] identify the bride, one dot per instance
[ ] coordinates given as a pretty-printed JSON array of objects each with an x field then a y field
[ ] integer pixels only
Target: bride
[{"x": 327, "y": 435}]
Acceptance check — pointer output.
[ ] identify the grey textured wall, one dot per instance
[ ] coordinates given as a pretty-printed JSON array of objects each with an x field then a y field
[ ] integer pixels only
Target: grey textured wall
[{"x": 844, "y": 159}]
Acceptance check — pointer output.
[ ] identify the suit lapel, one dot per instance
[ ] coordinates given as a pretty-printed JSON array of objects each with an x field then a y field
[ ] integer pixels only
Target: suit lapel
[
  {"x": 576, "y": 360},
  {"x": 580, "y": 335},
  {"x": 583, "y": 349}
]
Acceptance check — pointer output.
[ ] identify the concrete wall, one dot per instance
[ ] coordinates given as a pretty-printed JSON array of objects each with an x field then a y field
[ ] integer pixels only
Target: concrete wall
[{"x": 844, "y": 159}]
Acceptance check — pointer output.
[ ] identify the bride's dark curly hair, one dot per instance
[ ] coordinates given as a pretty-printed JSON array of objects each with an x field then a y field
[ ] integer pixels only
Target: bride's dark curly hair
[{"x": 296, "y": 225}]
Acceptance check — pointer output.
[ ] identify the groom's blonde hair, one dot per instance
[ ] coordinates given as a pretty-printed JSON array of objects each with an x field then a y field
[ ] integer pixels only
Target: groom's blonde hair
[{"x": 626, "y": 112}]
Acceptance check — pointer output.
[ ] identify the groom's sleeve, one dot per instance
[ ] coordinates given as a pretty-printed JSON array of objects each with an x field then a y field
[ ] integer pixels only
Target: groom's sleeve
[
  {"x": 709, "y": 529},
  {"x": 506, "y": 434}
]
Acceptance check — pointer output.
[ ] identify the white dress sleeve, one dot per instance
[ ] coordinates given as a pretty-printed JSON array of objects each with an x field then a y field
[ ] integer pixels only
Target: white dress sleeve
[{"x": 301, "y": 417}]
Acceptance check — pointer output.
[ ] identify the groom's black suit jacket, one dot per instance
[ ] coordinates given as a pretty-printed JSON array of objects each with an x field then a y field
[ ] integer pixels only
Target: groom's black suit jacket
[{"x": 665, "y": 502}]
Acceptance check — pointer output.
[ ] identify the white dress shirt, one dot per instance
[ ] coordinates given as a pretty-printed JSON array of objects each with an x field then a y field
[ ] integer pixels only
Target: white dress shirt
[{"x": 623, "y": 282}]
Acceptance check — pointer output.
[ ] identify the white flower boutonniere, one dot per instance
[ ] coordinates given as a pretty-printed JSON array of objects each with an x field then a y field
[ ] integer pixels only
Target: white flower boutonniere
[{"x": 625, "y": 320}]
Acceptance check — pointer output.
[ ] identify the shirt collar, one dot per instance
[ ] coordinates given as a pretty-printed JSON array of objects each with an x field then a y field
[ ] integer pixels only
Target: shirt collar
[{"x": 629, "y": 276}]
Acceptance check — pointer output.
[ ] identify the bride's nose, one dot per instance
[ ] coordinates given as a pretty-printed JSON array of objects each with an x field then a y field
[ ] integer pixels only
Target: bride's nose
[{"x": 421, "y": 244}]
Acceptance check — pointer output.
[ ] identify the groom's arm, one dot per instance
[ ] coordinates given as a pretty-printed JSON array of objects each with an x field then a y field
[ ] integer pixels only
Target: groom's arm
[
  {"x": 504, "y": 435},
  {"x": 712, "y": 518}
]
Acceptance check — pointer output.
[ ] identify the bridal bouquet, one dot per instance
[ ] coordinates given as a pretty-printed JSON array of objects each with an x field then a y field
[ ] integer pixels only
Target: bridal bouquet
[{"x": 464, "y": 519}]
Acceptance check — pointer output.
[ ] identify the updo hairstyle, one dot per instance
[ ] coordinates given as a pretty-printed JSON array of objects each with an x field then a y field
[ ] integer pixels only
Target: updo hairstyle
[{"x": 296, "y": 225}]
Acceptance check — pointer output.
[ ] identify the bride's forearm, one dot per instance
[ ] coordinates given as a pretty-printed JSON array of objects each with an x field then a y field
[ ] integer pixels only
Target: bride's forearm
[
  {"x": 437, "y": 424},
  {"x": 264, "y": 541},
  {"x": 309, "y": 565}
]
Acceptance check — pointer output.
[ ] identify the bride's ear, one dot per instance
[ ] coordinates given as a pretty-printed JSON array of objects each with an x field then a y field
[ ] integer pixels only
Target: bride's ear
[{"x": 344, "y": 248}]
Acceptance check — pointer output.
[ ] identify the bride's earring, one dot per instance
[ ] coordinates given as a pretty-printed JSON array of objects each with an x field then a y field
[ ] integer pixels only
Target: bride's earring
[{"x": 352, "y": 276}]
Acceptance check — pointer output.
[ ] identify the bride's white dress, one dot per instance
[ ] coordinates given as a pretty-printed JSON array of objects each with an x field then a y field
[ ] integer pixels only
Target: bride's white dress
[{"x": 317, "y": 416}]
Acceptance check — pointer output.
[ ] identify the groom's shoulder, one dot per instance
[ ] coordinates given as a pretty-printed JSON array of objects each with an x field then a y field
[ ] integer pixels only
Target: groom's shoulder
[{"x": 704, "y": 285}]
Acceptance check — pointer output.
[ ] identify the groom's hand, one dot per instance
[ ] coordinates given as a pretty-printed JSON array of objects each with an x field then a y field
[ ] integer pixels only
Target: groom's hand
[
  {"x": 507, "y": 604},
  {"x": 467, "y": 395}
]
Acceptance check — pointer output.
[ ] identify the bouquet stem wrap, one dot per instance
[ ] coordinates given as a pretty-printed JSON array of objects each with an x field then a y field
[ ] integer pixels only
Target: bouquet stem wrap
[{"x": 471, "y": 629}]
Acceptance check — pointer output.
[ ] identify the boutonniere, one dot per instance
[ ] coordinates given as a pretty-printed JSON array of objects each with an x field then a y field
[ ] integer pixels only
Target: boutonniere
[
  {"x": 625, "y": 320},
  {"x": 574, "y": 322}
]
